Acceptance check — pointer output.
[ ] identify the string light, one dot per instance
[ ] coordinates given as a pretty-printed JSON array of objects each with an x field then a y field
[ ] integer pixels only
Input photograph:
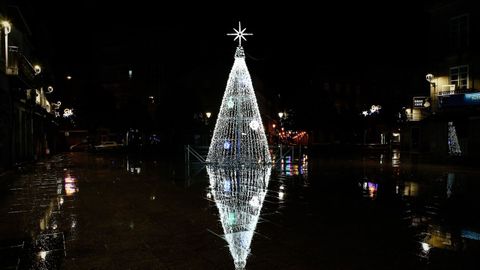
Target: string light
[
  {"x": 453, "y": 145},
  {"x": 239, "y": 193},
  {"x": 67, "y": 112},
  {"x": 239, "y": 121}
]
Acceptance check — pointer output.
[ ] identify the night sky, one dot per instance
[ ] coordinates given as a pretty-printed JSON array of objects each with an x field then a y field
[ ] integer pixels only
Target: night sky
[{"x": 293, "y": 45}]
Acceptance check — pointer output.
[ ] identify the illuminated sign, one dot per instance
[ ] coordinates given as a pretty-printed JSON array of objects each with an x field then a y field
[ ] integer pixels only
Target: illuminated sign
[
  {"x": 421, "y": 102},
  {"x": 468, "y": 99},
  {"x": 472, "y": 99}
]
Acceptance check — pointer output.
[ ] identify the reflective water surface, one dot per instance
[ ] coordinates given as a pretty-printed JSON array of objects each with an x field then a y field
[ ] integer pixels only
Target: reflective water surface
[
  {"x": 372, "y": 211},
  {"x": 239, "y": 192}
]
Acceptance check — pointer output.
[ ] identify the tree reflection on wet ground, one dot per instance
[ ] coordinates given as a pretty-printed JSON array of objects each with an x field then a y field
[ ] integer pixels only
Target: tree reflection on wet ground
[{"x": 377, "y": 211}]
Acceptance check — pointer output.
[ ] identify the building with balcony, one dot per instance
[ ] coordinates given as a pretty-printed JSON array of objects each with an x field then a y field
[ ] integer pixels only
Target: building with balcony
[
  {"x": 27, "y": 119},
  {"x": 453, "y": 80}
]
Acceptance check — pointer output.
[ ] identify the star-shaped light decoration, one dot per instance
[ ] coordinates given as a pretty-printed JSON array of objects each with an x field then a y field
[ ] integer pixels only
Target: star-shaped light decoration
[{"x": 240, "y": 34}]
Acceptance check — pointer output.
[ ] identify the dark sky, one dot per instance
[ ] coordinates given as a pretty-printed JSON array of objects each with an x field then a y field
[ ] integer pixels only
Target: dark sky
[
  {"x": 293, "y": 42},
  {"x": 294, "y": 35}
]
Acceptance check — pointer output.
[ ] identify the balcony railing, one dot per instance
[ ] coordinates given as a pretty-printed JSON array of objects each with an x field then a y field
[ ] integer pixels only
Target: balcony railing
[{"x": 447, "y": 89}]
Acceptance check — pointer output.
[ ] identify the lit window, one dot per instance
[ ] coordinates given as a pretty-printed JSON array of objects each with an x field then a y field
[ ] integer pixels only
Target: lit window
[{"x": 459, "y": 76}]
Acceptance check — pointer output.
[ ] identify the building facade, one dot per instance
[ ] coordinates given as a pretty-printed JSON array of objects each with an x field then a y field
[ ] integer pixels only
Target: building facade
[
  {"x": 449, "y": 115},
  {"x": 27, "y": 118}
]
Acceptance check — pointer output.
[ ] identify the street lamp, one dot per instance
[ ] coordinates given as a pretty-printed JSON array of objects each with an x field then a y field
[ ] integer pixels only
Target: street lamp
[
  {"x": 429, "y": 77},
  {"x": 7, "y": 28},
  {"x": 280, "y": 114},
  {"x": 208, "y": 114},
  {"x": 433, "y": 91},
  {"x": 37, "y": 69}
]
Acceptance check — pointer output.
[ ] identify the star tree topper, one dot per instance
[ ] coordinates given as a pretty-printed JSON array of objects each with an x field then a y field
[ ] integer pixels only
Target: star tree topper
[{"x": 240, "y": 34}]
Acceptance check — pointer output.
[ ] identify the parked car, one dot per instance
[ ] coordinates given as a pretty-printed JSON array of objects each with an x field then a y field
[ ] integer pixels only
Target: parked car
[
  {"x": 83, "y": 146},
  {"x": 108, "y": 145}
]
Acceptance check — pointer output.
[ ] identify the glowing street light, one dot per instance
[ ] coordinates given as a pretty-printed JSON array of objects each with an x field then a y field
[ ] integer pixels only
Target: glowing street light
[
  {"x": 37, "y": 69},
  {"x": 69, "y": 77},
  {"x": 280, "y": 114},
  {"x": 7, "y": 28},
  {"x": 67, "y": 112},
  {"x": 208, "y": 114}
]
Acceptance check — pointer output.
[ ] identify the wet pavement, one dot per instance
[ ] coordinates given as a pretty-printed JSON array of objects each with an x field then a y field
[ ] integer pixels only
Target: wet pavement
[{"x": 378, "y": 211}]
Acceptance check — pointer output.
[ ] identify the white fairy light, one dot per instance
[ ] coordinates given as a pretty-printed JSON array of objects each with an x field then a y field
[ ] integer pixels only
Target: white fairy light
[
  {"x": 230, "y": 103},
  {"x": 453, "y": 145},
  {"x": 67, "y": 112},
  {"x": 239, "y": 193},
  {"x": 373, "y": 109},
  {"x": 254, "y": 124},
  {"x": 239, "y": 121},
  {"x": 56, "y": 105},
  {"x": 226, "y": 145}
]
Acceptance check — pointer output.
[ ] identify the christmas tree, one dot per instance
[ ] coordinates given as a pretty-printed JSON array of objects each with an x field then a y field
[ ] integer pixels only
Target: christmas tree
[
  {"x": 453, "y": 145},
  {"x": 239, "y": 136}
]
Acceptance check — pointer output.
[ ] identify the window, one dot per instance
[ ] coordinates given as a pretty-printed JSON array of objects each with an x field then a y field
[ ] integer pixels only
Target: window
[
  {"x": 459, "y": 76},
  {"x": 459, "y": 32}
]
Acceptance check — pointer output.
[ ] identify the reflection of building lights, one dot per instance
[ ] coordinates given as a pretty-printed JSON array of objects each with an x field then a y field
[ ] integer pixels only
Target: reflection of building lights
[
  {"x": 470, "y": 235},
  {"x": 47, "y": 216},
  {"x": 396, "y": 158},
  {"x": 425, "y": 247},
  {"x": 70, "y": 186},
  {"x": 410, "y": 189},
  {"x": 70, "y": 189},
  {"x": 371, "y": 188},
  {"x": 43, "y": 255},
  {"x": 281, "y": 195}
]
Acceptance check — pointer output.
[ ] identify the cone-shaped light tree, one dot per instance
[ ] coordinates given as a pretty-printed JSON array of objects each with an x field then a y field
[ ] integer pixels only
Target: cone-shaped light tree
[
  {"x": 453, "y": 145},
  {"x": 239, "y": 136}
]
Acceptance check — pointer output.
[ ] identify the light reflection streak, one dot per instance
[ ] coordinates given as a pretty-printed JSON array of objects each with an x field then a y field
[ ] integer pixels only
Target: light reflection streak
[{"x": 239, "y": 192}]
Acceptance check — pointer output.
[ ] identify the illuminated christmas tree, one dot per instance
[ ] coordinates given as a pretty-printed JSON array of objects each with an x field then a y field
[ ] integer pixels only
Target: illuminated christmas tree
[
  {"x": 453, "y": 145},
  {"x": 239, "y": 192},
  {"x": 239, "y": 136}
]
